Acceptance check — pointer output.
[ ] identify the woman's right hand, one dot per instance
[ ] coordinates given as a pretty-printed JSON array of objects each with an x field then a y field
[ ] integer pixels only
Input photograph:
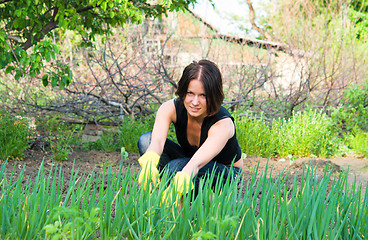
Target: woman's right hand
[{"x": 149, "y": 172}]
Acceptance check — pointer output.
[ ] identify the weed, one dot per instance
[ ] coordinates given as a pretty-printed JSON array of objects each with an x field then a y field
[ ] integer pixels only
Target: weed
[
  {"x": 352, "y": 112},
  {"x": 62, "y": 141},
  {"x": 60, "y": 145},
  {"x": 358, "y": 142},
  {"x": 72, "y": 223},
  {"x": 124, "y": 154},
  {"x": 14, "y": 136},
  {"x": 108, "y": 141}
]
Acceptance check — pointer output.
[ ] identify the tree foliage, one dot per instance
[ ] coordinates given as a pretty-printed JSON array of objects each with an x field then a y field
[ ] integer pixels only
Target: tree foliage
[
  {"x": 27, "y": 28},
  {"x": 358, "y": 13}
]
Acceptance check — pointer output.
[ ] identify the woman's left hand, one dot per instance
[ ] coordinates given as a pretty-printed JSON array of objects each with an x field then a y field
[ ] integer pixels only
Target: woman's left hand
[{"x": 181, "y": 184}]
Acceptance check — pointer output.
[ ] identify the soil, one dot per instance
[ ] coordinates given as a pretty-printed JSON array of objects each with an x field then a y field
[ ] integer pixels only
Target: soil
[{"x": 87, "y": 162}]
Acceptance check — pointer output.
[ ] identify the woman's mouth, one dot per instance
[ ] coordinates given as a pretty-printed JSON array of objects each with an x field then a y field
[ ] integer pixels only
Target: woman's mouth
[{"x": 194, "y": 109}]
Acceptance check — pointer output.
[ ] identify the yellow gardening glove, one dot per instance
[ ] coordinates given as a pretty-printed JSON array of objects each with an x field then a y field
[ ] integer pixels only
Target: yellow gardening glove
[
  {"x": 182, "y": 183},
  {"x": 148, "y": 162}
]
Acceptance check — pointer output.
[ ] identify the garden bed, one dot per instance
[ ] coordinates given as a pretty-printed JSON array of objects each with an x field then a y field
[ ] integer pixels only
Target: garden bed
[
  {"x": 87, "y": 162},
  {"x": 280, "y": 199}
]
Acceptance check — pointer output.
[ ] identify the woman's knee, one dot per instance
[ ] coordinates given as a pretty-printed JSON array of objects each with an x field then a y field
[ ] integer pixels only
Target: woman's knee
[
  {"x": 176, "y": 165},
  {"x": 144, "y": 142}
]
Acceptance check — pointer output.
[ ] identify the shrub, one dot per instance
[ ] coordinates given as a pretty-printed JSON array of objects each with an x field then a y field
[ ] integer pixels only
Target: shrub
[
  {"x": 353, "y": 109},
  {"x": 108, "y": 142},
  {"x": 254, "y": 135},
  {"x": 132, "y": 129},
  {"x": 358, "y": 142},
  {"x": 306, "y": 133},
  {"x": 14, "y": 136}
]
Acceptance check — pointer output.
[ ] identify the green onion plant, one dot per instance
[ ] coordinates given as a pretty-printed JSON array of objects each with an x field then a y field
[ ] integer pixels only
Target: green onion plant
[{"x": 111, "y": 205}]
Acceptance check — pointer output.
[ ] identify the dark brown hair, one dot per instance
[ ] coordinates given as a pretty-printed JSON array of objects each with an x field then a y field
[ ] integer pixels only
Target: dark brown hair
[{"x": 209, "y": 74}]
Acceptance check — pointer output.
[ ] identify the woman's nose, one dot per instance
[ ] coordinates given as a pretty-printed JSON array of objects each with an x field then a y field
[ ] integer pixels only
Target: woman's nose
[{"x": 195, "y": 100}]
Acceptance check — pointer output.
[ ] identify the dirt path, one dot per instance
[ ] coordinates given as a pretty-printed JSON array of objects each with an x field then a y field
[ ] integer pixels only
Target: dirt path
[{"x": 357, "y": 167}]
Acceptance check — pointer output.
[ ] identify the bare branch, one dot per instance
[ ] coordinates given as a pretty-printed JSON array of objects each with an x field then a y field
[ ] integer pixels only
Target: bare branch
[
  {"x": 252, "y": 17},
  {"x": 15, "y": 38}
]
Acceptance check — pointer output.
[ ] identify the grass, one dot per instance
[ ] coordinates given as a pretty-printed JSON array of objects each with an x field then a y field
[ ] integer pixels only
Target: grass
[{"x": 111, "y": 205}]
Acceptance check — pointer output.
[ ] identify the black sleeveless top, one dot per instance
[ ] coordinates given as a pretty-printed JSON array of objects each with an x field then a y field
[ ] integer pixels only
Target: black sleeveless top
[{"x": 231, "y": 151}]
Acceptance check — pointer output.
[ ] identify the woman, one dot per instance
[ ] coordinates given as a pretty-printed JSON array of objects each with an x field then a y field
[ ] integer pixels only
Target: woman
[{"x": 204, "y": 129}]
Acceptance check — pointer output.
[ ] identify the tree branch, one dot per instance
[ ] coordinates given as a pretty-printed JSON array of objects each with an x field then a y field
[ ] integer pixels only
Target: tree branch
[
  {"x": 84, "y": 9},
  {"x": 252, "y": 17},
  {"x": 48, "y": 28},
  {"x": 14, "y": 38},
  {"x": 45, "y": 30},
  {"x": 5, "y": 1}
]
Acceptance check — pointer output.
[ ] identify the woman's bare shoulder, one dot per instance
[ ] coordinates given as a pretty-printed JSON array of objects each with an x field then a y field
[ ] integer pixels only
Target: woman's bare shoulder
[
  {"x": 168, "y": 109},
  {"x": 223, "y": 126},
  {"x": 168, "y": 105}
]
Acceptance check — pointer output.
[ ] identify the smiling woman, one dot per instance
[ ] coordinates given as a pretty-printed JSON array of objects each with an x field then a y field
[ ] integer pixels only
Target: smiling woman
[{"x": 205, "y": 132}]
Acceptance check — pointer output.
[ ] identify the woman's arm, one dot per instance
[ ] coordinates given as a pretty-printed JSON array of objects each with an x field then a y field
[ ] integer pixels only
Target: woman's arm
[
  {"x": 164, "y": 116},
  {"x": 218, "y": 135}
]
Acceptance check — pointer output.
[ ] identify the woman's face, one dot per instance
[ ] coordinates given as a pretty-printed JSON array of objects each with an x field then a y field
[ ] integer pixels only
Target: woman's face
[{"x": 195, "y": 99}]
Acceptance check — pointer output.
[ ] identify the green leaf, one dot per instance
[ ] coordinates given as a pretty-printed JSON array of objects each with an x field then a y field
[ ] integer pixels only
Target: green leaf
[
  {"x": 9, "y": 69},
  {"x": 45, "y": 80},
  {"x": 65, "y": 80},
  {"x": 50, "y": 229},
  {"x": 27, "y": 61},
  {"x": 56, "y": 49},
  {"x": 57, "y": 237},
  {"x": 103, "y": 5},
  {"x": 48, "y": 56},
  {"x": 61, "y": 85},
  {"x": 18, "y": 75},
  {"x": 54, "y": 81}
]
